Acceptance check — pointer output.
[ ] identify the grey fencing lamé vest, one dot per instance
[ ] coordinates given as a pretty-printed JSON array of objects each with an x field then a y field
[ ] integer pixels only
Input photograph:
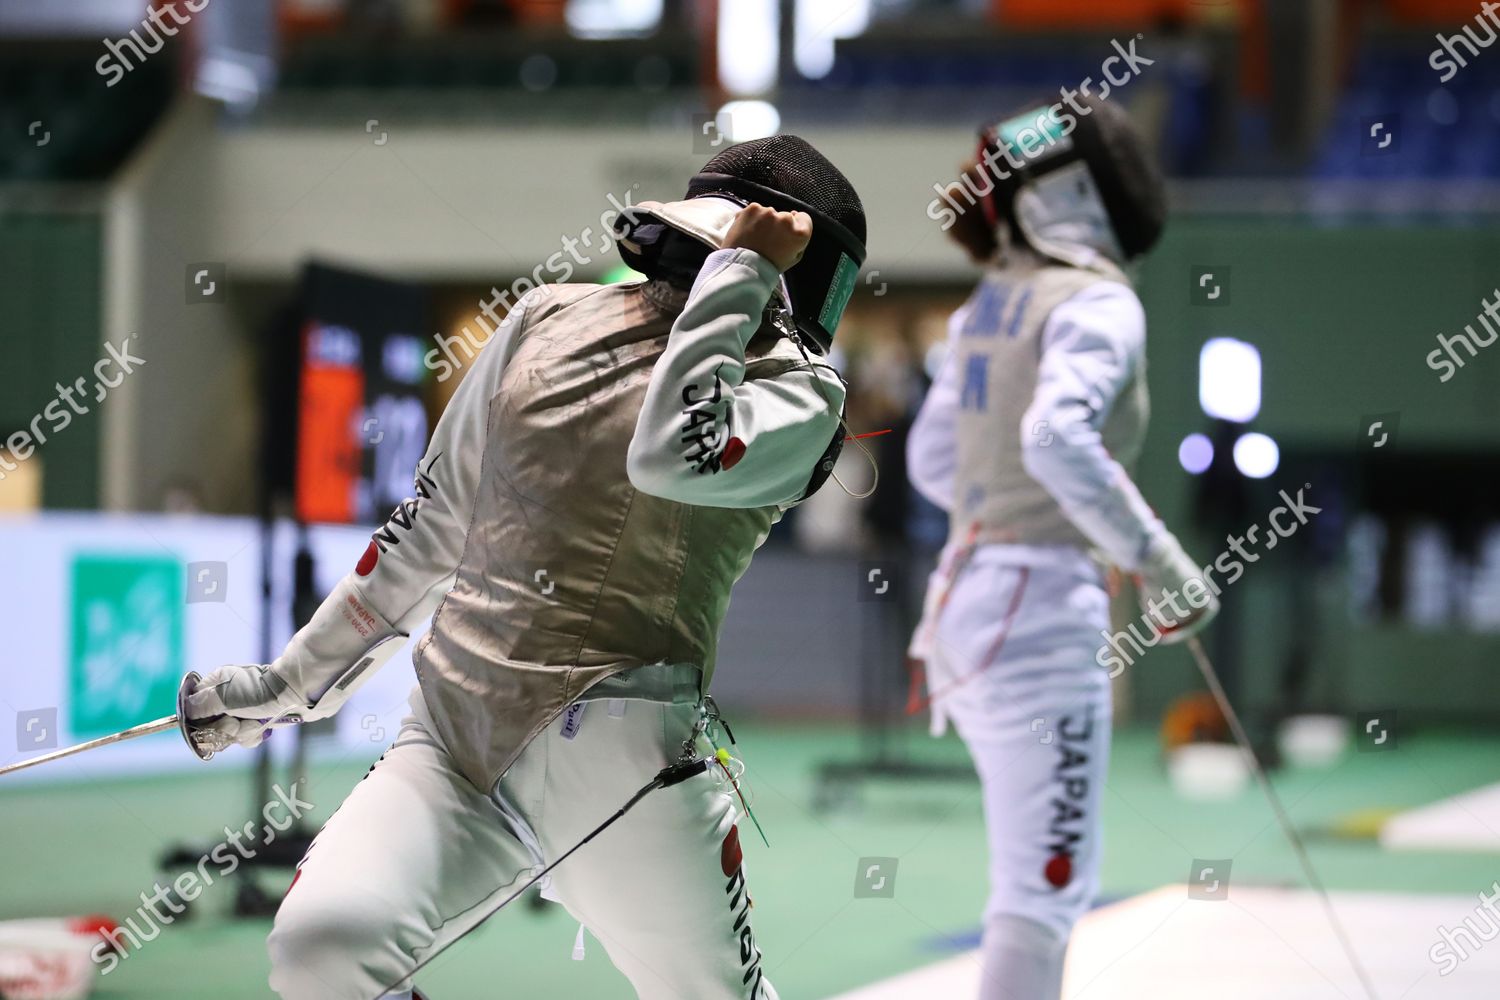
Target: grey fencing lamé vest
[
  {"x": 999, "y": 348},
  {"x": 569, "y": 575}
]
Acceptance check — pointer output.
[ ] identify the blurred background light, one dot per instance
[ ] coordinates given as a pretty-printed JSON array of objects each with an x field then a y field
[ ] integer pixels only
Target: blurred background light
[
  {"x": 1229, "y": 379},
  {"x": 818, "y": 25},
  {"x": 749, "y": 45},
  {"x": 741, "y": 121},
  {"x": 1256, "y": 455},
  {"x": 612, "y": 18},
  {"x": 1196, "y": 453}
]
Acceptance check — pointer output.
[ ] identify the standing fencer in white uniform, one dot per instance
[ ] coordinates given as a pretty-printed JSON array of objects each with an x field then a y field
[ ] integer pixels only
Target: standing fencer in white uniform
[
  {"x": 593, "y": 491},
  {"x": 1027, "y": 438}
]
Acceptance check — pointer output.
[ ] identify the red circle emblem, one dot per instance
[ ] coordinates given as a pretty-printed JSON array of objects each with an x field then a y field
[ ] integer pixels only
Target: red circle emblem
[
  {"x": 368, "y": 560},
  {"x": 1059, "y": 870},
  {"x": 730, "y": 855},
  {"x": 733, "y": 452}
]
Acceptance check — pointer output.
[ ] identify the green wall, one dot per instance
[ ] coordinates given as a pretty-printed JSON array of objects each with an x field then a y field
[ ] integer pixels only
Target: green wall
[
  {"x": 1344, "y": 320},
  {"x": 50, "y": 332}
]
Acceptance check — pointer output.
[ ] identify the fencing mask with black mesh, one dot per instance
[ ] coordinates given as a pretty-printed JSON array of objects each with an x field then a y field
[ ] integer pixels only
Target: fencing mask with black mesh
[
  {"x": 786, "y": 173},
  {"x": 783, "y": 172},
  {"x": 1073, "y": 178},
  {"x": 669, "y": 241}
]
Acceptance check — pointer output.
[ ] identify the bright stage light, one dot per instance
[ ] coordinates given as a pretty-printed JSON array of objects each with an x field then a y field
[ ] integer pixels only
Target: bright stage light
[
  {"x": 1196, "y": 453},
  {"x": 1256, "y": 455},
  {"x": 1229, "y": 380}
]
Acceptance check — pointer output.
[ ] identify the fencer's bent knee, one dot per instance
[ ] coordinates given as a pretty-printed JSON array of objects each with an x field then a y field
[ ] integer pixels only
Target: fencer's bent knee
[{"x": 322, "y": 943}]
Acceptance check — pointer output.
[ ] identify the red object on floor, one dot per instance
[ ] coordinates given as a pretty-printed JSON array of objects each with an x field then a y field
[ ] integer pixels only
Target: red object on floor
[{"x": 98, "y": 925}]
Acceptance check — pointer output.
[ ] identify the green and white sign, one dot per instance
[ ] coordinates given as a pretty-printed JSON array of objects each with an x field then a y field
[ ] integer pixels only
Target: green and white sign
[{"x": 127, "y": 641}]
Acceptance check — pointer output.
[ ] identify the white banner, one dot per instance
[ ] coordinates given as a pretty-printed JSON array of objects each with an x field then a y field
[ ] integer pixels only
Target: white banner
[{"x": 106, "y": 612}]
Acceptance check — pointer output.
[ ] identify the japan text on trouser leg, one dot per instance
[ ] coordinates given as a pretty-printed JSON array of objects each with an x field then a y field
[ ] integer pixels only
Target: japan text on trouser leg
[
  {"x": 416, "y": 856},
  {"x": 1034, "y": 709}
]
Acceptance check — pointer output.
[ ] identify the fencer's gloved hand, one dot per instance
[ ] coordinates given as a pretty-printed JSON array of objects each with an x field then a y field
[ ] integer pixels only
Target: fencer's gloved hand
[
  {"x": 1177, "y": 600},
  {"x": 780, "y": 237},
  {"x": 343, "y": 645},
  {"x": 240, "y": 704}
]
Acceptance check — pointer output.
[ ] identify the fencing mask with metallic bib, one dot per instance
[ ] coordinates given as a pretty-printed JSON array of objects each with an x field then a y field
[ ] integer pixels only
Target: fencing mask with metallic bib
[
  {"x": 783, "y": 172},
  {"x": 1073, "y": 179}
]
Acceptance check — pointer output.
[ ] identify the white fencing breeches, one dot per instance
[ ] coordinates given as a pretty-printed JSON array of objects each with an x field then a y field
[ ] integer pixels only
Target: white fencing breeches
[
  {"x": 1011, "y": 661},
  {"x": 416, "y": 856}
]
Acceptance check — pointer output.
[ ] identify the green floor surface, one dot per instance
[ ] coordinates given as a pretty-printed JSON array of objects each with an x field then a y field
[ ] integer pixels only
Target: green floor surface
[{"x": 73, "y": 848}]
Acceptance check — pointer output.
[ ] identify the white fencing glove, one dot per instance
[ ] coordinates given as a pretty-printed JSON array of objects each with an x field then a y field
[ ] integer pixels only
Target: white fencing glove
[
  {"x": 1173, "y": 592},
  {"x": 343, "y": 645},
  {"x": 242, "y": 704}
]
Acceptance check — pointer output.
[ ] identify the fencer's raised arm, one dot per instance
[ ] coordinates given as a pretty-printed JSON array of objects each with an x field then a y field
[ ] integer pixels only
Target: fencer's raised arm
[
  {"x": 932, "y": 445},
  {"x": 705, "y": 436},
  {"x": 1091, "y": 346},
  {"x": 408, "y": 567}
]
